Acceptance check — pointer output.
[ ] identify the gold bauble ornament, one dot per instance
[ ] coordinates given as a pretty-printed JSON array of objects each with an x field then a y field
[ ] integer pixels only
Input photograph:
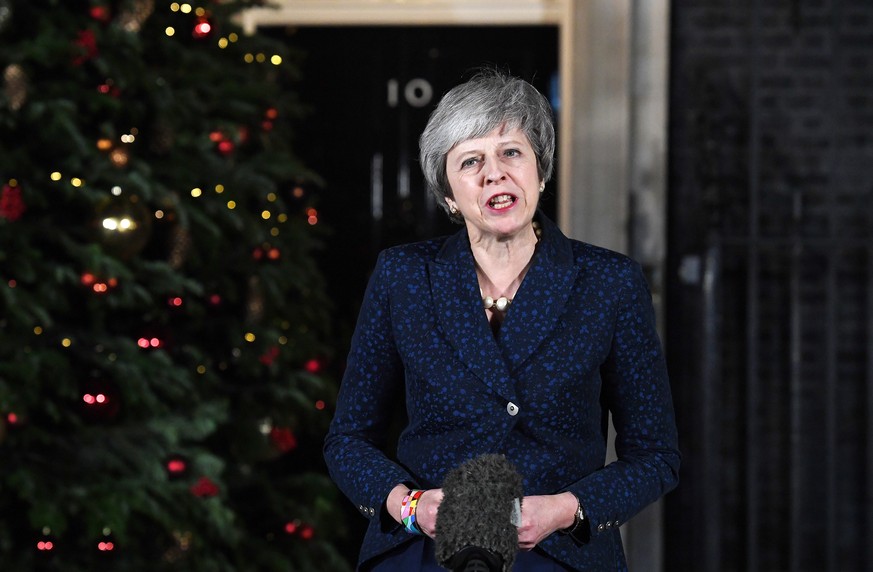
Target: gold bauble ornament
[
  {"x": 255, "y": 301},
  {"x": 133, "y": 17},
  {"x": 15, "y": 86},
  {"x": 5, "y": 14},
  {"x": 124, "y": 226},
  {"x": 180, "y": 244}
]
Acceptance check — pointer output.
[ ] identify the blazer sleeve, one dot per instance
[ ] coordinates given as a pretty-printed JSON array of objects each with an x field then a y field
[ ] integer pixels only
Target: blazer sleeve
[
  {"x": 635, "y": 389},
  {"x": 353, "y": 448}
]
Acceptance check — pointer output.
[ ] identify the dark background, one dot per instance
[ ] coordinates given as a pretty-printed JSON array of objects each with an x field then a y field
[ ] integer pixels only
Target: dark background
[{"x": 770, "y": 290}]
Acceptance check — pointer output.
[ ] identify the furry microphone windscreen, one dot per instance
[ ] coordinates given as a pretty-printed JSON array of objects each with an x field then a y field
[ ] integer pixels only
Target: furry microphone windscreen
[{"x": 476, "y": 512}]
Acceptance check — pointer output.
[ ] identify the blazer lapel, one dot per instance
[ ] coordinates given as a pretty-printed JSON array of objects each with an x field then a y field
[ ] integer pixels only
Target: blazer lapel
[
  {"x": 455, "y": 295},
  {"x": 542, "y": 297}
]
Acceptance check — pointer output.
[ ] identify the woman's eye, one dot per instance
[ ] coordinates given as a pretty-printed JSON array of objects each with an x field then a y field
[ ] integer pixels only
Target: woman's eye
[
  {"x": 468, "y": 162},
  {"x": 511, "y": 152}
]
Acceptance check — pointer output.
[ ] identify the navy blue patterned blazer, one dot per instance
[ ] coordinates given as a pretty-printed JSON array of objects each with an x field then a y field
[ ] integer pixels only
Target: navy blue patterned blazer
[{"x": 578, "y": 341}]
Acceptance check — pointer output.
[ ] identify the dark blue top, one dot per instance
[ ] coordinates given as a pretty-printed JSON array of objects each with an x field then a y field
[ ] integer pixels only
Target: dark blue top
[{"x": 578, "y": 342}]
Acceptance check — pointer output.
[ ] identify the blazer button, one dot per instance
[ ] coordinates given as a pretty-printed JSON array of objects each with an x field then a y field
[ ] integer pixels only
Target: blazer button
[{"x": 512, "y": 408}]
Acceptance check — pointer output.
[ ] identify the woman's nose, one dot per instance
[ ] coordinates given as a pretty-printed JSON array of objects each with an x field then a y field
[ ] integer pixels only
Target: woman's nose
[{"x": 494, "y": 171}]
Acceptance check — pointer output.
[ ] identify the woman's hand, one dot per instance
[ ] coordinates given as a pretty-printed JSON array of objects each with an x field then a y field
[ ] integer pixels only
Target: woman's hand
[
  {"x": 544, "y": 514},
  {"x": 425, "y": 511}
]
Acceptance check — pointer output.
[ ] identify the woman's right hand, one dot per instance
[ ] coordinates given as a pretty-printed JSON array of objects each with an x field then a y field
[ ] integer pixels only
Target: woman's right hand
[{"x": 425, "y": 511}]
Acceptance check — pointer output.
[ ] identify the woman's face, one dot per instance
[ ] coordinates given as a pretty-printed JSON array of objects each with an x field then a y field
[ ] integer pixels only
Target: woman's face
[{"x": 495, "y": 183}]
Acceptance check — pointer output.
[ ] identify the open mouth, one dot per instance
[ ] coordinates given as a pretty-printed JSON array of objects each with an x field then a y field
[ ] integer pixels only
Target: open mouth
[{"x": 500, "y": 202}]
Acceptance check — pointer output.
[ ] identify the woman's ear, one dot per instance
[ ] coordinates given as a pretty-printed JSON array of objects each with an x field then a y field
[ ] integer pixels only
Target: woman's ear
[{"x": 453, "y": 208}]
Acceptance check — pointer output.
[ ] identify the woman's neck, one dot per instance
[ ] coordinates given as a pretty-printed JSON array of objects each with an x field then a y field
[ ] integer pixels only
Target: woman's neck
[{"x": 501, "y": 263}]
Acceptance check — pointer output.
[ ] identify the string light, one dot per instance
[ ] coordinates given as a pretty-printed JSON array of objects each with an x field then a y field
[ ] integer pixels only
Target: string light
[
  {"x": 149, "y": 343},
  {"x": 119, "y": 224},
  {"x": 202, "y": 28},
  {"x": 98, "y": 399}
]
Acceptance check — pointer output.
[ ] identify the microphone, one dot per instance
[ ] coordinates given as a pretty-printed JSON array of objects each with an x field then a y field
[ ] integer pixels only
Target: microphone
[{"x": 478, "y": 518}]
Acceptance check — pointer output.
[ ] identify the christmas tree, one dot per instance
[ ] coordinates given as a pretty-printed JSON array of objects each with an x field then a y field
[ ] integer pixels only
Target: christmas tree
[{"x": 164, "y": 375}]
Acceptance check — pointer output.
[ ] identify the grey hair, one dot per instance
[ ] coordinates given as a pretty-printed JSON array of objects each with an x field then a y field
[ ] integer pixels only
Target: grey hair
[{"x": 472, "y": 109}]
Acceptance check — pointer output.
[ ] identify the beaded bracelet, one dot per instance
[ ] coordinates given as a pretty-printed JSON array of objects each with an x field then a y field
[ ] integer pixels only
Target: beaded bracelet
[{"x": 407, "y": 511}]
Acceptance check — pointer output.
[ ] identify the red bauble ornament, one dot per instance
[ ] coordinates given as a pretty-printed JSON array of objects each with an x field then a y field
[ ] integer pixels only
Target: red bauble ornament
[
  {"x": 312, "y": 366},
  {"x": 100, "y": 13},
  {"x": 270, "y": 355},
  {"x": 204, "y": 487},
  {"x": 283, "y": 439},
  {"x": 225, "y": 147},
  {"x": 11, "y": 204},
  {"x": 85, "y": 46}
]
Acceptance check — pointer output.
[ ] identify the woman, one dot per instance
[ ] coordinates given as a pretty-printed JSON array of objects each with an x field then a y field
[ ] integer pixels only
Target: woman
[{"x": 509, "y": 338}]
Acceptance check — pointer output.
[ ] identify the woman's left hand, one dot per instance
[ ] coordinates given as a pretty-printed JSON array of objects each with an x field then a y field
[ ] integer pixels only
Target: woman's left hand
[{"x": 542, "y": 515}]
